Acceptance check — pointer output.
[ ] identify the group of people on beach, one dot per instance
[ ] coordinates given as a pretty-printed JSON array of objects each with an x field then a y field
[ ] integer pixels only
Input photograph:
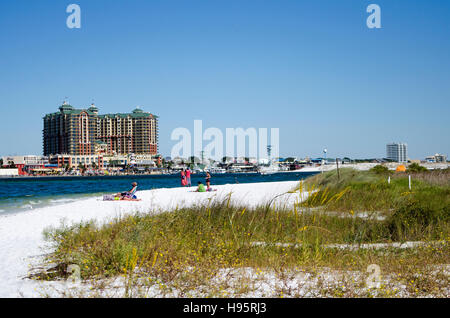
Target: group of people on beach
[
  {"x": 186, "y": 177},
  {"x": 201, "y": 187},
  {"x": 185, "y": 181}
]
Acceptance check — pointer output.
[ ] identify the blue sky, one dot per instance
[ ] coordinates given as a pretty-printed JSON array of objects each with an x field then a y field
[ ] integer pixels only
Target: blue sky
[{"x": 311, "y": 68}]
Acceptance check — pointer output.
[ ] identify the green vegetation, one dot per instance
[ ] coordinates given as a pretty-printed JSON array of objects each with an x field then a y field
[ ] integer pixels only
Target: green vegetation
[
  {"x": 414, "y": 167},
  {"x": 185, "y": 249},
  {"x": 423, "y": 211},
  {"x": 379, "y": 169}
]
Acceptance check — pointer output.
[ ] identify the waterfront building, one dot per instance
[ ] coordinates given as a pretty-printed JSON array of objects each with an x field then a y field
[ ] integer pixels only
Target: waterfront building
[
  {"x": 437, "y": 158},
  {"x": 397, "y": 152},
  {"x": 25, "y": 164},
  {"x": 69, "y": 131},
  {"x": 81, "y": 132},
  {"x": 76, "y": 161},
  {"x": 116, "y": 161},
  {"x": 125, "y": 133},
  {"x": 142, "y": 162},
  {"x": 29, "y": 160},
  {"x": 60, "y": 161},
  {"x": 93, "y": 161}
]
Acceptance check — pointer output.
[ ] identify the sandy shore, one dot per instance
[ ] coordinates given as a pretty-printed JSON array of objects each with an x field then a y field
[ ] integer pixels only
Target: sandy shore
[{"x": 22, "y": 243}]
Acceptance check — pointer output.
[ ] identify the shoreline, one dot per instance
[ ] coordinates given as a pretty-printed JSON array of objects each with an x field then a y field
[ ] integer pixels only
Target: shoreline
[
  {"x": 148, "y": 175},
  {"x": 307, "y": 169}
]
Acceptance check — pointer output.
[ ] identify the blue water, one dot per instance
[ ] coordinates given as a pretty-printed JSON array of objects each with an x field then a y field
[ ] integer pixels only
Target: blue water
[{"x": 19, "y": 194}]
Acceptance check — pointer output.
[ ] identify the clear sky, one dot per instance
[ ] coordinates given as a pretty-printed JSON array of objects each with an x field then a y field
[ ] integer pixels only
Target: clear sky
[{"x": 311, "y": 68}]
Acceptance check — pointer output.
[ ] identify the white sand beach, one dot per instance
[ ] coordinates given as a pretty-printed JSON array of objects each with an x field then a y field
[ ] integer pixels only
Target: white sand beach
[{"x": 21, "y": 235}]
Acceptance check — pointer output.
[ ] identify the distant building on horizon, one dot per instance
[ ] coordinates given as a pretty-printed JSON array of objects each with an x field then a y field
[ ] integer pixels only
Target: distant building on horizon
[
  {"x": 438, "y": 158},
  {"x": 81, "y": 132},
  {"x": 397, "y": 152}
]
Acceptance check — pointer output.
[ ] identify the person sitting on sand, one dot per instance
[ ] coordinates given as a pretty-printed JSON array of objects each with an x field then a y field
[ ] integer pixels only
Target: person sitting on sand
[
  {"x": 201, "y": 187},
  {"x": 129, "y": 195}
]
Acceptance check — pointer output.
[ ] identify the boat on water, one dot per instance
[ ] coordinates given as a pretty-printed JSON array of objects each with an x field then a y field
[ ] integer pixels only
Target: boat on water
[
  {"x": 217, "y": 170},
  {"x": 268, "y": 170}
]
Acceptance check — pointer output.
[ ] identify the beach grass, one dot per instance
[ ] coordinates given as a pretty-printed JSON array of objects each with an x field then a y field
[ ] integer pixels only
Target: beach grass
[
  {"x": 420, "y": 212},
  {"x": 187, "y": 249}
]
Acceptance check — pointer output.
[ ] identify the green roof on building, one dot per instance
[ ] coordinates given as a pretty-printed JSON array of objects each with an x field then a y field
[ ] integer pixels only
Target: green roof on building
[
  {"x": 66, "y": 107},
  {"x": 93, "y": 108},
  {"x": 69, "y": 109}
]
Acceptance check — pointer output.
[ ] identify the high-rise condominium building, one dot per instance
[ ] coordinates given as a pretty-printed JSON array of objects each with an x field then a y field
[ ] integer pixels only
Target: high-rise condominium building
[
  {"x": 397, "y": 152},
  {"x": 77, "y": 131}
]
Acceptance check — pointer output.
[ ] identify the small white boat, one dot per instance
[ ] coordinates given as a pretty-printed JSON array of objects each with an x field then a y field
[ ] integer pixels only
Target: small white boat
[
  {"x": 217, "y": 170},
  {"x": 269, "y": 170}
]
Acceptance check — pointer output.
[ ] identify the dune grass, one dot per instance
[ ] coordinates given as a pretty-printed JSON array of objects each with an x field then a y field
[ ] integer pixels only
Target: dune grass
[
  {"x": 186, "y": 248},
  {"x": 423, "y": 211}
]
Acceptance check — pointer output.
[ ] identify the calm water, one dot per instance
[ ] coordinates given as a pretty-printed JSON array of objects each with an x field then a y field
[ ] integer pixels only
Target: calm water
[{"x": 18, "y": 194}]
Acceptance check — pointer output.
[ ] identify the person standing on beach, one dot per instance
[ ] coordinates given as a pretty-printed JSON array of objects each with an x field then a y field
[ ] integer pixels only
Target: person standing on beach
[
  {"x": 188, "y": 177},
  {"x": 183, "y": 178},
  {"x": 208, "y": 179}
]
